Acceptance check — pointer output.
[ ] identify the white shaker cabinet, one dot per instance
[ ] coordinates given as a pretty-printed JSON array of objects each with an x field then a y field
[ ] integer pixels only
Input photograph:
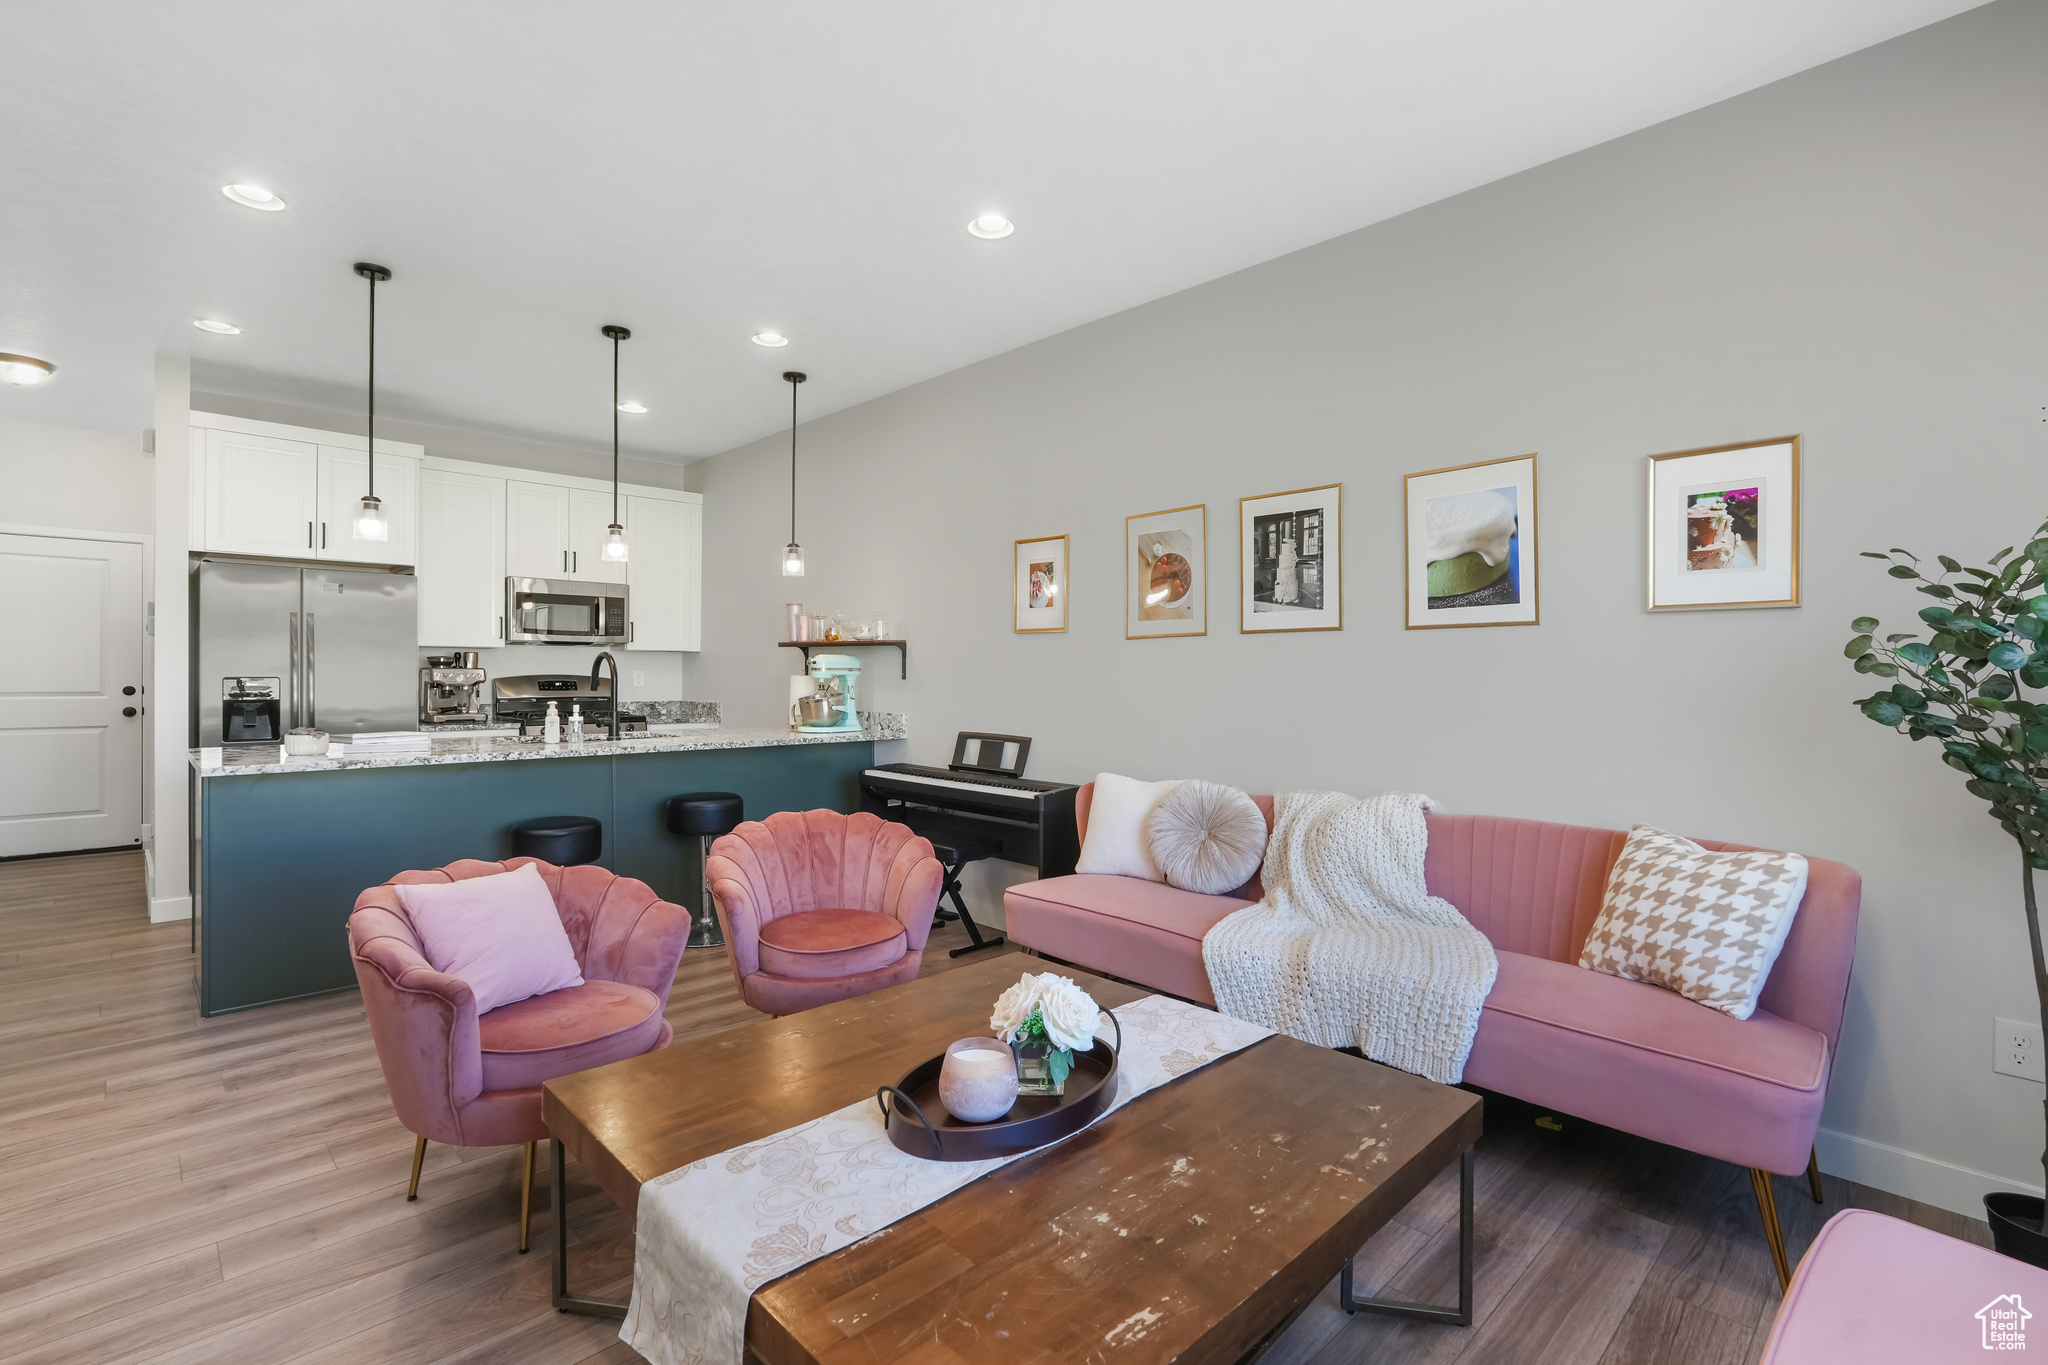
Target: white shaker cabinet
[
  {"x": 461, "y": 560},
  {"x": 344, "y": 479},
  {"x": 590, "y": 522},
  {"x": 665, "y": 539},
  {"x": 536, "y": 530},
  {"x": 260, "y": 495}
]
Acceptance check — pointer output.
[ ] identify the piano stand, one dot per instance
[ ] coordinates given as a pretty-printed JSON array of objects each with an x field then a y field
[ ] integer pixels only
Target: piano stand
[{"x": 956, "y": 849}]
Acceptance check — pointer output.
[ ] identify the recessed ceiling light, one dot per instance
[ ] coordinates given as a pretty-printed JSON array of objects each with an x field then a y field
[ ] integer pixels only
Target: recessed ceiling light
[
  {"x": 632, "y": 407},
  {"x": 770, "y": 339},
  {"x": 254, "y": 197},
  {"x": 991, "y": 226},
  {"x": 217, "y": 327},
  {"x": 24, "y": 369}
]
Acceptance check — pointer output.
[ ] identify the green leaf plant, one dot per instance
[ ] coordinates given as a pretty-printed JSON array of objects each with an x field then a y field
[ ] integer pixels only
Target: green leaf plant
[{"x": 1966, "y": 687}]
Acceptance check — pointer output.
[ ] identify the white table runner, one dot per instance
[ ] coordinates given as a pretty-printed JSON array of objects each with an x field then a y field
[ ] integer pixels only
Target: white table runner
[{"x": 713, "y": 1232}]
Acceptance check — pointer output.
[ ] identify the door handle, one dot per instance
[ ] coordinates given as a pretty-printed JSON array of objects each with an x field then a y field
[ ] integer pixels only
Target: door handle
[
  {"x": 127, "y": 710},
  {"x": 312, "y": 693}
]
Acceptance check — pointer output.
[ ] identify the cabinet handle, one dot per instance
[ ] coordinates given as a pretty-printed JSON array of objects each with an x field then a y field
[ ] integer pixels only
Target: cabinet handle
[
  {"x": 565, "y": 561},
  {"x": 575, "y": 561},
  {"x": 501, "y": 627},
  {"x": 323, "y": 535},
  {"x": 309, "y": 535}
]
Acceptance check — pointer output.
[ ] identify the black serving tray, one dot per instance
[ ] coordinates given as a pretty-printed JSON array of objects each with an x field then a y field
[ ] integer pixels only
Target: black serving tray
[{"x": 918, "y": 1123}]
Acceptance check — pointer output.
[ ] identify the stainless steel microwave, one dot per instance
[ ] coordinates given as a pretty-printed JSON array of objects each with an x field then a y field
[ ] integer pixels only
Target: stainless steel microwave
[{"x": 563, "y": 611}]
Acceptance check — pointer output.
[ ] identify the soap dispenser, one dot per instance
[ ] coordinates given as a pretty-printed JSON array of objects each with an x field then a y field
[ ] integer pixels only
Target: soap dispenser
[
  {"x": 575, "y": 722},
  {"x": 551, "y": 726}
]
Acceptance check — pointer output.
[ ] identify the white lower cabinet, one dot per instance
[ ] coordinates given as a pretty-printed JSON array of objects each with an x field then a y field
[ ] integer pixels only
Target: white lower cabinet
[
  {"x": 461, "y": 563},
  {"x": 664, "y": 540}
]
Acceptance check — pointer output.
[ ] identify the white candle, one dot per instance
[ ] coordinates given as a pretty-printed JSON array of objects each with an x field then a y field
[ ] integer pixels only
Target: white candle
[
  {"x": 977, "y": 1080},
  {"x": 980, "y": 1061}
]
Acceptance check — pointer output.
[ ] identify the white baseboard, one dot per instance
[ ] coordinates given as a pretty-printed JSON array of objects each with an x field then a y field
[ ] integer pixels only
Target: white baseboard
[
  {"x": 1958, "y": 1189},
  {"x": 168, "y": 908}
]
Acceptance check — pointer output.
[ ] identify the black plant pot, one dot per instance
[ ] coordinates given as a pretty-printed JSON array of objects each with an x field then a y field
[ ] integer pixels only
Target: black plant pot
[{"x": 2016, "y": 1227}]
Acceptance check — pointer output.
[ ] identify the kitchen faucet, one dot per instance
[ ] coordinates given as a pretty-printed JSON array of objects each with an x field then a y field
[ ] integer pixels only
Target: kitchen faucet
[{"x": 604, "y": 656}]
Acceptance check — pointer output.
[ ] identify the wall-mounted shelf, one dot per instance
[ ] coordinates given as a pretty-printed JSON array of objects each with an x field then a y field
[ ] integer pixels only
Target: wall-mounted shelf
[{"x": 829, "y": 646}]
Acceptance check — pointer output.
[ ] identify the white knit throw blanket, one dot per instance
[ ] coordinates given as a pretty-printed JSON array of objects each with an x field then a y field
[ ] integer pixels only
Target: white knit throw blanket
[{"x": 1349, "y": 949}]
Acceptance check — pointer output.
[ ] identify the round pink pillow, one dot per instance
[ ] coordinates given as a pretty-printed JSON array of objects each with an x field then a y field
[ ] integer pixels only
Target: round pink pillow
[{"x": 1207, "y": 837}]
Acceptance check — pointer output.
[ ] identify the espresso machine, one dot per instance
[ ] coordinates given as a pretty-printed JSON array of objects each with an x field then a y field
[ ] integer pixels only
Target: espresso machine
[
  {"x": 451, "y": 688},
  {"x": 832, "y": 705}
]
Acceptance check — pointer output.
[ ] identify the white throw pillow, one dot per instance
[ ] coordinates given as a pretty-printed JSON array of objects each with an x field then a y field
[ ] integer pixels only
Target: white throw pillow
[
  {"x": 1707, "y": 925},
  {"x": 1116, "y": 844},
  {"x": 499, "y": 933},
  {"x": 1207, "y": 837}
]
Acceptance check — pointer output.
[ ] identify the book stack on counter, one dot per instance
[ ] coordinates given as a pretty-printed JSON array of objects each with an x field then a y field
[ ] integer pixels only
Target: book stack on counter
[{"x": 385, "y": 742}]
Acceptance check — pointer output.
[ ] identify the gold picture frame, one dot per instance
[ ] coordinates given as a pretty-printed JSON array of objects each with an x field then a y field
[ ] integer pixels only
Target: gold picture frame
[
  {"x": 1524, "y": 545},
  {"x": 1316, "y": 535},
  {"x": 1026, "y": 590},
  {"x": 1182, "y": 532},
  {"x": 1704, "y": 485}
]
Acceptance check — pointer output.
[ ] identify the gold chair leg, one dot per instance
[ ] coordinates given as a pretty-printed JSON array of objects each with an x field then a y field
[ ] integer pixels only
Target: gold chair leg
[
  {"x": 526, "y": 1203},
  {"x": 419, "y": 1154},
  {"x": 1813, "y": 1174},
  {"x": 1767, "y": 1205}
]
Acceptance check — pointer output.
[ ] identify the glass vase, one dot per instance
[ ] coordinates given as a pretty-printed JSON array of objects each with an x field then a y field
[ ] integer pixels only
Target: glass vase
[{"x": 1034, "y": 1069}]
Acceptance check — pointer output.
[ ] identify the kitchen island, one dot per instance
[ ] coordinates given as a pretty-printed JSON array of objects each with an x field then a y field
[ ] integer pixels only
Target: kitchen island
[{"x": 282, "y": 846}]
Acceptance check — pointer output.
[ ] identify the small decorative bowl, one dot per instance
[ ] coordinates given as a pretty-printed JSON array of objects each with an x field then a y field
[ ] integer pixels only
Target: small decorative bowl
[
  {"x": 978, "y": 1080},
  {"x": 306, "y": 746}
]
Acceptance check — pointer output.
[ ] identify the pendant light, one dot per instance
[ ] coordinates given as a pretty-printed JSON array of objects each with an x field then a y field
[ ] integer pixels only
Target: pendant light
[
  {"x": 615, "y": 534},
  {"x": 370, "y": 522},
  {"x": 793, "y": 553}
]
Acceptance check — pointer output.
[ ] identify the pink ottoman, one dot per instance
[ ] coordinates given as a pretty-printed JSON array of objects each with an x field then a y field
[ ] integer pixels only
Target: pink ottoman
[{"x": 1877, "y": 1291}]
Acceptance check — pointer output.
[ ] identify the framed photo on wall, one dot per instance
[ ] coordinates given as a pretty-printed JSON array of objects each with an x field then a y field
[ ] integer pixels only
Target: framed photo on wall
[
  {"x": 1041, "y": 585},
  {"x": 1471, "y": 545},
  {"x": 1290, "y": 560},
  {"x": 1724, "y": 527},
  {"x": 1166, "y": 573}
]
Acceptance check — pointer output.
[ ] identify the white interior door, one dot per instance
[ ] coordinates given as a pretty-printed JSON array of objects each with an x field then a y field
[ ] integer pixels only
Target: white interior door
[{"x": 71, "y": 712}]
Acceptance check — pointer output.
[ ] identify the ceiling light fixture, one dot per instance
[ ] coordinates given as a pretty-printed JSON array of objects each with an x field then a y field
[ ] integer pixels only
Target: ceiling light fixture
[
  {"x": 255, "y": 197},
  {"x": 217, "y": 327},
  {"x": 24, "y": 369},
  {"x": 991, "y": 226},
  {"x": 615, "y": 535},
  {"x": 793, "y": 553},
  {"x": 770, "y": 339},
  {"x": 370, "y": 522}
]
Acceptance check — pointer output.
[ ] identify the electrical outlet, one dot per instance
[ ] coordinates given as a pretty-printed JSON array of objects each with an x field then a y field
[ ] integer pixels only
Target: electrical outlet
[
  {"x": 639, "y": 678},
  {"x": 2016, "y": 1050}
]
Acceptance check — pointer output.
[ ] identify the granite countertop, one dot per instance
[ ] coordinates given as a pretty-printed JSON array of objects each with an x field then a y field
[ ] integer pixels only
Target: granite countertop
[{"x": 244, "y": 760}]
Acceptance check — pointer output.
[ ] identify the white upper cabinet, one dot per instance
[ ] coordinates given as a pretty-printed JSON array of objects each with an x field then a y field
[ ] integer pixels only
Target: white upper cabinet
[
  {"x": 590, "y": 521},
  {"x": 461, "y": 560},
  {"x": 344, "y": 478},
  {"x": 536, "y": 530},
  {"x": 260, "y": 497},
  {"x": 665, "y": 542}
]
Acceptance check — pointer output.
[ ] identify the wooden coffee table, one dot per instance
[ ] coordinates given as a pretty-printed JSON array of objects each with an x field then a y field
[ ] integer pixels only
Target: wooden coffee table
[{"x": 1192, "y": 1225}]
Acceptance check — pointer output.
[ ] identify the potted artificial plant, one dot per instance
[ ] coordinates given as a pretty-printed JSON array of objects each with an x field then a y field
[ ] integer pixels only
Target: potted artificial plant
[{"x": 1966, "y": 688}]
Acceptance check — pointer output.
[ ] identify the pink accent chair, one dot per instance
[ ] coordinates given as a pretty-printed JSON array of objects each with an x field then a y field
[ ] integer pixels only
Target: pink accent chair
[
  {"x": 1620, "y": 1053},
  {"x": 819, "y": 906},
  {"x": 474, "y": 1080},
  {"x": 1875, "y": 1290}
]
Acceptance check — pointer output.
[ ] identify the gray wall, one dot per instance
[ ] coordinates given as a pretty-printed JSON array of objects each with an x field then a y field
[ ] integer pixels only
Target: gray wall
[{"x": 1853, "y": 254}]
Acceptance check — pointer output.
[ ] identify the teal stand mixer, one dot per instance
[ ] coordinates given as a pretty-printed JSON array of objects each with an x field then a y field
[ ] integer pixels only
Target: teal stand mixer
[{"x": 832, "y": 707}]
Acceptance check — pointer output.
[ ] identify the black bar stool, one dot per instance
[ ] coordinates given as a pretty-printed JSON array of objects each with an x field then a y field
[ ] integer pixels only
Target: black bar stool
[
  {"x": 564, "y": 840},
  {"x": 705, "y": 815},
  {"x": 955, "y": 846}
]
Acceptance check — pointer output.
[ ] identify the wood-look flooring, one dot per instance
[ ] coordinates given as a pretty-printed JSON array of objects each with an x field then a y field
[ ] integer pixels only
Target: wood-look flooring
[{"x": 176, "y": 1190}]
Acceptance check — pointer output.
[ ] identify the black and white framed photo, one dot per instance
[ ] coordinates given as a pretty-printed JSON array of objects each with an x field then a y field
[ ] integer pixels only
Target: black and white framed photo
[
  {"x": 1471, "y": 545},
  {"x": 1290, "y": 552},
  {"x": 1724, "y": 527},
  {"x": 1041, "y": 585},
  {"x": 1166, "y": 573}
]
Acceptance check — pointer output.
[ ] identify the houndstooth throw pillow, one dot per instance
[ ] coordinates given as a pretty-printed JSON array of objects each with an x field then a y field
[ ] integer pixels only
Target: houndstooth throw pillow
[{"x": 1707, "y": 925}]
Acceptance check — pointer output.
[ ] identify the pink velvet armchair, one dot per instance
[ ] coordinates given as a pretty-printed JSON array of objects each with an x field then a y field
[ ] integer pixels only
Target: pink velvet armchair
[
  {"x": 474, "y": 1080},
  {"x": 819, "y": 906}
]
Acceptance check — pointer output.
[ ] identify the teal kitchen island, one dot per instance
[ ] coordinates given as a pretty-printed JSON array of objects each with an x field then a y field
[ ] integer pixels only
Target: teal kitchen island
[{"x": 283, "y": 846}]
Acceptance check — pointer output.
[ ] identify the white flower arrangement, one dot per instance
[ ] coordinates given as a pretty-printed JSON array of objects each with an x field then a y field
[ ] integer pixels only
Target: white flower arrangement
[{"x": 1045, "y": 1008}]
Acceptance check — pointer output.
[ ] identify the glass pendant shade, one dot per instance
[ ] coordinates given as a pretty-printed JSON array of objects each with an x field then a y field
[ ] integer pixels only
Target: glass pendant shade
[
  {"x": 370, "y": 521},
  {"x": 615, "y": 545},
  {"x": 793, "y": 560}
]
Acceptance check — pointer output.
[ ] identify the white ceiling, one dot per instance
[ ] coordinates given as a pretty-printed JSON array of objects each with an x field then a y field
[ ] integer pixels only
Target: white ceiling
[{"x": 701, "y": 172}]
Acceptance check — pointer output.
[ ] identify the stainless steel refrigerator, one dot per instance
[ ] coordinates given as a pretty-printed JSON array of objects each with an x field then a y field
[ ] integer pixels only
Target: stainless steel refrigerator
[{"x": 276, "y": 646}]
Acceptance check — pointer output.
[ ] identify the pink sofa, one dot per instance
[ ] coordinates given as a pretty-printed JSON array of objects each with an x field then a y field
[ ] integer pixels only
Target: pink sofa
[
  {"x": 474, "y": 1080},
  {"x": 1621, "y": 1053},
  {"x": 818, "y": 906}
]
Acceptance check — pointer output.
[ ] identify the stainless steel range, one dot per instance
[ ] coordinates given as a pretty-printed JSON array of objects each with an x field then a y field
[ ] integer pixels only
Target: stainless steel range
[{"x": 523, "y": 701}]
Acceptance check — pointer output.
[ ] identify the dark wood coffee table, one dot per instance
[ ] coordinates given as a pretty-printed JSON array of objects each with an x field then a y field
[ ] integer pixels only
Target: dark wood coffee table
[{"x": 1192, "y": 1225}]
